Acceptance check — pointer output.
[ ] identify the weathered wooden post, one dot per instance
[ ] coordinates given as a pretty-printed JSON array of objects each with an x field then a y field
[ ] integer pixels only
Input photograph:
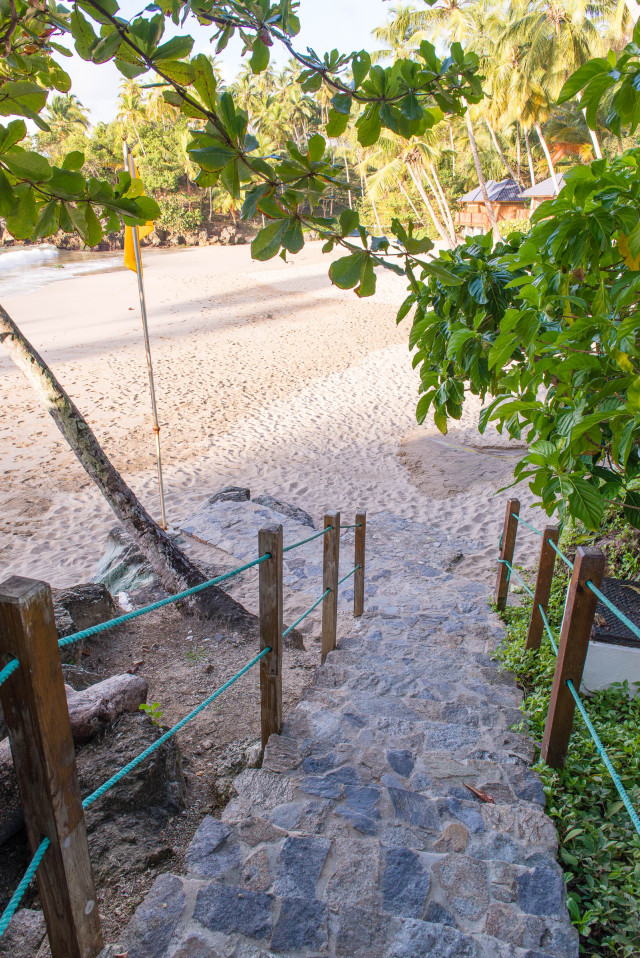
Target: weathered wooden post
[
  {"x": 270, "y": 543},
  {"x": 358, "y": 577},
  {"x": 35, "y": 710},
  {"x": 543, "y": 586},
  {"x": 507, "y": 547},
  {"x": 331, "y": 564},
  {"x": 574, "y": 644}
]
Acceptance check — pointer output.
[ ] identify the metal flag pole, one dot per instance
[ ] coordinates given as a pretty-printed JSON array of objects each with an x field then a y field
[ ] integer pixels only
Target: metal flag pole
[{"x": 129, "y": 168}]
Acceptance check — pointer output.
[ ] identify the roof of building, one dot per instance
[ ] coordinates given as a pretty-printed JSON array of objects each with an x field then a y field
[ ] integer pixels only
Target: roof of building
[
  {"x": 506, "y": 191},
  {"x": 545, "y": 189}
]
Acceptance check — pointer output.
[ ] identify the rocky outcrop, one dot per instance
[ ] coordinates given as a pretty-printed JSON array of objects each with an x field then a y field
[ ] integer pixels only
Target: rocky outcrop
[{"x": 82, "y": 606}]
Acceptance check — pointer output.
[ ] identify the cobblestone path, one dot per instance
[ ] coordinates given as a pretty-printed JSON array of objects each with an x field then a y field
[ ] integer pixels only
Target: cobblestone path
[{"x": 358, "y": 837}]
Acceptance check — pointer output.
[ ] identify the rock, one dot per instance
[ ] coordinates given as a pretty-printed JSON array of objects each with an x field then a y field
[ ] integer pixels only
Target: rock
[
  {"x": 253, "y": 755},
  {"x": 209, "y": 854},
  {"x": 24, "y": 935},
  {"x": 229, "y": 494},
  {"x": 405, "y": 883},
  {"x": 123, "y": 568},
  {"x": 401, "y": 761},
  {"x": 540, "y": 891},
  {"x": 229, "y": 909},
  {"x": 293, "y": 512},
  {"x": 155, "y": 920},
  {"x": 414, "y": 808},
  {"x": 302, "y": 923},
  {"x": 87, "y": 604},
  {"x": 299, "y": 866}
]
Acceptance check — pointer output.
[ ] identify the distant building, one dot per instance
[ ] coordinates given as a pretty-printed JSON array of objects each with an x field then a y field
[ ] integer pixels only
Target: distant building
[
  {"x": 543, "y": 191},
  {"x": 506, "y": 198}
]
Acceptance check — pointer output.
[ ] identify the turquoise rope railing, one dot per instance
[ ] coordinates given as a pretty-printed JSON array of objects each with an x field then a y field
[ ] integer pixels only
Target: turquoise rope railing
[
  {"x": 99, "y": 792},
  {"x": 8, "y": 670},
  {"x": 128, "y": 616},
  {"x": 615, "y": 778},
  {"x": 512, "y": 571},
  {"x": 303, "y": 542},
  {"x": 561, "y": 554},
  {"x": 529, "y": 526},
  {"x": 348, "y": 575},
  {"x": 305, "y": 614},
  {"x": 354, "y": 525},
  {"x": 612, "y": 608},
  {"x": 20, "y": 891},
  {"x": 622, "y": 792}
]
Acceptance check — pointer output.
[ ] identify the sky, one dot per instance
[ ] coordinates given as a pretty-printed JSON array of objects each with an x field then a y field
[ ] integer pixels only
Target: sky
[{"x": 325, "y": 25}]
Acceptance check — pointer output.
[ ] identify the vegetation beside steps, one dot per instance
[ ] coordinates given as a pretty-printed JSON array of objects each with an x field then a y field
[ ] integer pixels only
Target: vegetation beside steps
[{"x": 599, "y": 850}]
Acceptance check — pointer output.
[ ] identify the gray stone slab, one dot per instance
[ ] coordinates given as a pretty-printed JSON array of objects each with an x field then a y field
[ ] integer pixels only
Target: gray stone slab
[{"x": 231, "y": 909}]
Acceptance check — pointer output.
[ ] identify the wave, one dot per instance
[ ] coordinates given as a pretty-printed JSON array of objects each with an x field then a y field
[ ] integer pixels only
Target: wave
[{"x": 27, "y": 255}]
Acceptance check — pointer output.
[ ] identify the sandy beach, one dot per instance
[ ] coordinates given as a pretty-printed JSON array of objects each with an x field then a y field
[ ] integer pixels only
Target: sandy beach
[{"x": 266, "y": 376}]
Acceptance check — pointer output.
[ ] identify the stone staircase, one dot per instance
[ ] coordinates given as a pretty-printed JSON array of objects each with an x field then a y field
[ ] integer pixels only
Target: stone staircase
[{"x": 358, "y": 837}]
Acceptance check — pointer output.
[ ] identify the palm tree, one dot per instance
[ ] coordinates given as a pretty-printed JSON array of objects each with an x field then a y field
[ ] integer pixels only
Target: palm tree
[
  {"x": 66, "y": 114},
  {"x": 131, "y": 109},
  {"x": 399, "y": 35}
]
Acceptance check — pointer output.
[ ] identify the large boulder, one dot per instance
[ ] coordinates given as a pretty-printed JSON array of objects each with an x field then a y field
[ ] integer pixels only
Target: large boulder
[
  {"x": 123, "y": 568},
  {"x": 82, "y": 606}
]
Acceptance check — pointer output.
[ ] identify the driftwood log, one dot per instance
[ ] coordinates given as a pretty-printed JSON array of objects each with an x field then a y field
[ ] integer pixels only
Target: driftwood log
[{"x": 91, "y": 711}]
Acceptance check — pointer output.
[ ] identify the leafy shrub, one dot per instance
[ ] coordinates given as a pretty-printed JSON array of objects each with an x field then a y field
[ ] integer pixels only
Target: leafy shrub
[
  {"x": 177, "y": 217},
  {"x": 599, "y": 848}
]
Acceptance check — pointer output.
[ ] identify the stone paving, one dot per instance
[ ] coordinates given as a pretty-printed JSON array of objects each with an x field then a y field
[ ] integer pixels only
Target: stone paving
[{"x": 358, "y": 837}]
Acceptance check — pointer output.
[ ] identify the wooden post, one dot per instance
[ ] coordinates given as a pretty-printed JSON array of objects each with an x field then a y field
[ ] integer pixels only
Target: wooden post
[
  {"x": 574, "y": 644},
  {"x": 543, "y": 586},
  {"x": 35, "y": 710},
  {"x": 507, "y": 547},
  {"x": 358, "y": 578},
  {"x": 270, "y": 541},
  {"x": 331, "y": 565}
]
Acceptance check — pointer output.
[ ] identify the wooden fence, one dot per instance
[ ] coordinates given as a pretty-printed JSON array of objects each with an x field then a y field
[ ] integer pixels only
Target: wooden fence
[{"x": 35, "y": 710}]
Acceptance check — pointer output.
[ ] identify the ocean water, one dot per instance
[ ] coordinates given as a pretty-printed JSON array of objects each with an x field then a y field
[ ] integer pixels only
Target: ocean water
[{"x": 24, "y": 269}]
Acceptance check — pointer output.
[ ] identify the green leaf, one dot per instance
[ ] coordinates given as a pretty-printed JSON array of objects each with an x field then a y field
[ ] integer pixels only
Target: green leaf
[
  {"x": 337, "y": 124},
  {"x": 316, "y": 146},
  {"x": 410, "y": 107},
  {"x": 27, "y": 166},
  {"x": 260, "y": 57},
  {"x": 47, "y": 223},
  {"x": 345, "y": 272},
  {"x": 442, "y": 274},
  {"x": 177, "y": 70},
  {"x": 83, "y": 33},
  {"x": 22, "y": 98},
  {"x": 586, "y": 503},
  {"x": 174, "y": 49},
  {"x": 367, "y": 286},
  {"x": 349, "y": 221},
  {"x": 106, "y": 48},
  {"x": 360, "y": 66},
  {"x": 204, "y": 79},
  {"x": 267, "y": 243},
  {"x": 581, "y": 77},
  {"x": 7, "y": 196},
  {"x": 292, "y": 238},
  {"x": 369, "y": 126},
  {"x": 214, "y": 157},
  {"x": 22, "y": 219},
  {"x": 73, "y": 160},
  {"x": 12, "y": 134}
]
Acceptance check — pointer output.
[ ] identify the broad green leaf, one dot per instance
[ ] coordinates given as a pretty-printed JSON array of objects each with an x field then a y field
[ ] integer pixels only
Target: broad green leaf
[
  {"x": 174, "y": 49},
  {"x": 214, "y": 157},
  {"x": 47, "y": 223},
  {"x": 106, "y": 48},
  {"x": 316, "y": 147},
  {"x": 22, "y": 98},
  {"x": 73, "y": 160},
  {"x": 345, "y": 272},
  {"x": 204, "y": 79},
  {"x": 581, "y": 77},
  {"x": 267, "y": 243},
  {"x": 11, "y": 134},
  {"x": 586, "y": 503},
  {"x": 349, "y": 221},
  {"x": 260, "y": 57},
  {"x": 369, "y": 126},
  {"x": 360, "y": 66},
  {"x": 27, "y": 166},
  {"x": 22, "y": 219},
  {"x": 367, "y": 285},
  {"x": 292, "y": 238},
  {"x": 337, "y": 124},
  {"x": 176, "y": 70}
]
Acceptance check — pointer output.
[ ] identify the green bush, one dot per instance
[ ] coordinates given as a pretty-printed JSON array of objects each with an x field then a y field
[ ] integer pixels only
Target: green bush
[
  {"x": 599, "y": 848},
  {"x": 177, "y": 217}
]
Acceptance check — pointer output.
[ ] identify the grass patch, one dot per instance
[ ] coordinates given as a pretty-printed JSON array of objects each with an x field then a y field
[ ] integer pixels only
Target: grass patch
[{"x": 599, "y": 848}]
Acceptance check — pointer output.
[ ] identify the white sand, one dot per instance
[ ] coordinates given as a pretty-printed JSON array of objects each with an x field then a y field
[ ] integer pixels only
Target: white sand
[{"x": 266, "y": 376}]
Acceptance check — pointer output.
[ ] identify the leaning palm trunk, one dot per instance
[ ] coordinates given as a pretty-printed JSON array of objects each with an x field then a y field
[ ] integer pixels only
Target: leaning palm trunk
[
  {"x": 445, "y": 203},
  {"x": 427, "y": 202},
  {"x": 410, "y": 202},
  {"x": 442, "y": 206},
  {"x": 502, "y": 155},
  {"x": 543, "y": 144},
  {"x": 479, "y": 173},
  {"x": 529, "y": 156},
  {"x": 172, "y": 567}
]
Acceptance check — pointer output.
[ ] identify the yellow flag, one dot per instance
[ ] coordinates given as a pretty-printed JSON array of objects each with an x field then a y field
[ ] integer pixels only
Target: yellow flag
[{"x": 142, "y": 231}]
